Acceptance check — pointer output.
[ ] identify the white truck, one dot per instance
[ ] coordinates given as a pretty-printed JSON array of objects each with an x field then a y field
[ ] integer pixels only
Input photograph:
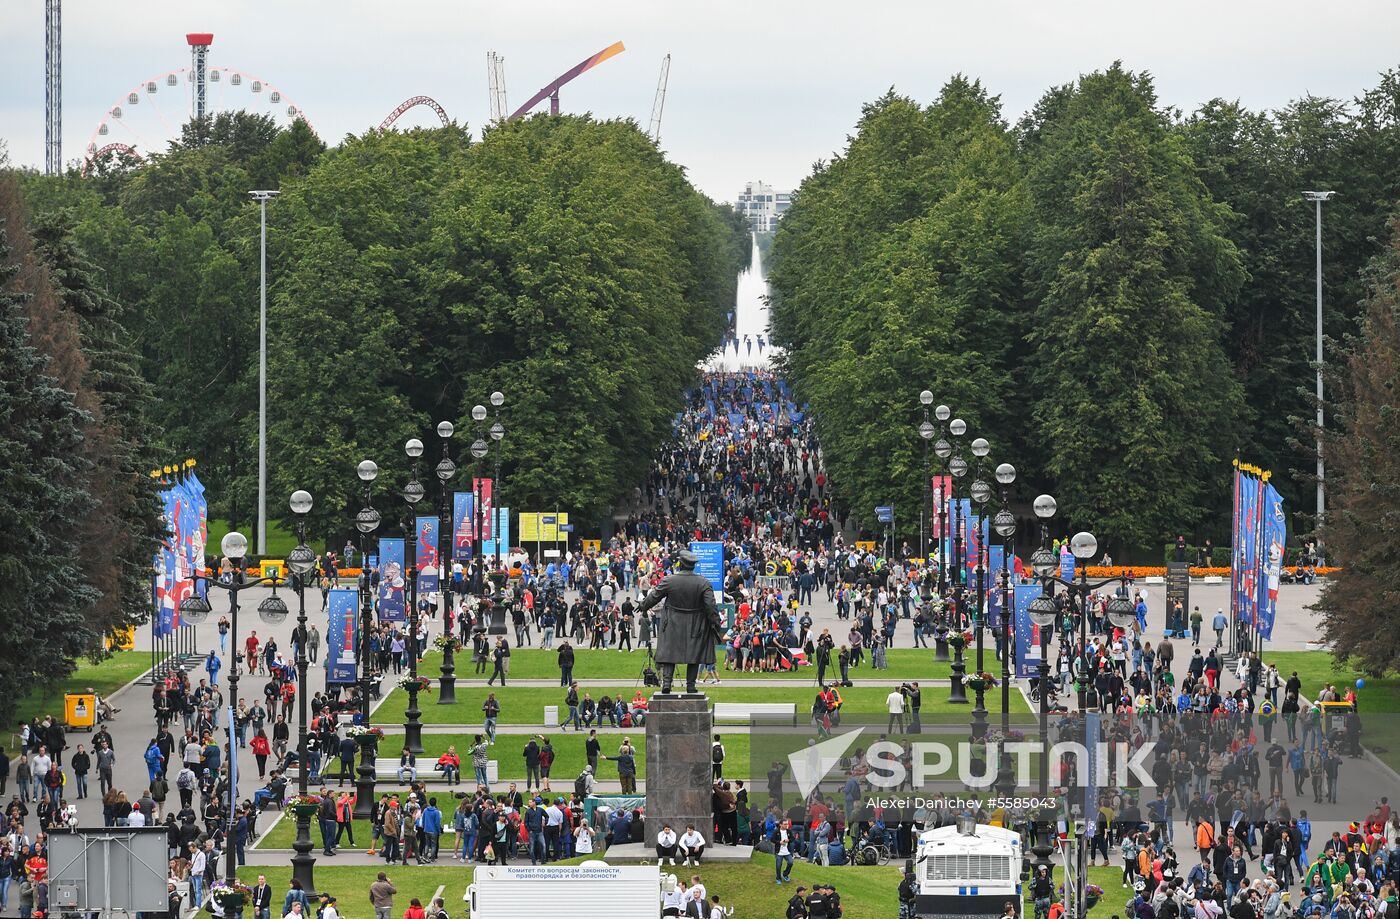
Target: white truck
[
  {"x": 967, "y": 870},
  {"x": 592, "y": 890}
]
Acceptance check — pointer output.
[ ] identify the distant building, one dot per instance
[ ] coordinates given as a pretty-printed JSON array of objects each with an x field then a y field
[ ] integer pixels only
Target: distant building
[{"x": 763, "y": 206}]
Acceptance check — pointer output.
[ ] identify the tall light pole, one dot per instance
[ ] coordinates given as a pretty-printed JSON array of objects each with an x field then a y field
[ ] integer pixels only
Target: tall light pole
[
  {"x": 366, "y": 521},
  {"x": 1317, "y": 197},
  {"x": 1005, "y": 524},
  {"x": 497, "y": 432},
  {"x": 926, "y": 432},
  {"x": 981, "y": 492},
  {"x": 262, "y": 197},
  {"x": 413, "y": 492},
  {"x": 302, "y": 561},
  {"x": 447, "y": 546}
]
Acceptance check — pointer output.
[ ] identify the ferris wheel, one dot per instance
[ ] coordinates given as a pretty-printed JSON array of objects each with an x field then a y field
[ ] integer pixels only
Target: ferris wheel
[{"x": 148, "y": 116}]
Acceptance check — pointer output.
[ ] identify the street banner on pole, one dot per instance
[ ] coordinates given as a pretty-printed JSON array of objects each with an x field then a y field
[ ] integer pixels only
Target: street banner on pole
[
  {"x": 340, "y": 636},
  {"x": 1027, "y": 633},
  {"x": 462, "y": 504},
  {"x": 426, "y": 558},
  {"x": 1275, "y": 538},
  {"x": 391, "y": 580},
  {"x": 483, "y": 487}
]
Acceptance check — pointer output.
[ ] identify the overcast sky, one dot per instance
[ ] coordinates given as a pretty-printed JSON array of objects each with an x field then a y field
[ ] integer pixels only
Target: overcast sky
[{"x": 759, "y": 89}]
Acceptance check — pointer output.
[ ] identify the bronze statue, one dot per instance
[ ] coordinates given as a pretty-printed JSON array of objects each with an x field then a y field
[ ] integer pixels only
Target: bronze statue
[{"x": 689, "y": 627}]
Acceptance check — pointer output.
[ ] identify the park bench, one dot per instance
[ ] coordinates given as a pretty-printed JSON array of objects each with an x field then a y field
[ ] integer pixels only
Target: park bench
[
  {"x": 748, "y": 711},
  {"x": 386, "y": 769}
]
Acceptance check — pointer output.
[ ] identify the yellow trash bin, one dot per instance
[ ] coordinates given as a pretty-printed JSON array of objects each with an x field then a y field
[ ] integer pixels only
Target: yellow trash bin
[{"x": 80, "y": 710}]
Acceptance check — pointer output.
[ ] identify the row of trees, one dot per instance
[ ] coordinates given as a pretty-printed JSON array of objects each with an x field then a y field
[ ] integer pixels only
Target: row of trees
[
  {"x": 1116, "y": 296},
  {"x": 560, "y": 260},
  {"x": 81, "y": 516}
]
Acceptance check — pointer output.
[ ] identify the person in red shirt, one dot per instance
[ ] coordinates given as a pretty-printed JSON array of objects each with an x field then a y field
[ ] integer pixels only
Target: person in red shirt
[{"x": 250, "y": 656}]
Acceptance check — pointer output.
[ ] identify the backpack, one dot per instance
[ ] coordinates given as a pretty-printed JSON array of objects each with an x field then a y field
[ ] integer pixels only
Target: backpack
[
  {"x": 581, "y": 785},
  {"x": 717, "y": 753}
]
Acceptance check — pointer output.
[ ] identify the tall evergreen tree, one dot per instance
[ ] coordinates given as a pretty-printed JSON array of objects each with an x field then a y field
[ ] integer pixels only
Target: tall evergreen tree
[
  {"x": 1131, "y": 273},
  {"x": 1362, "y": 446},
  {"x": 44, "y": 606}
]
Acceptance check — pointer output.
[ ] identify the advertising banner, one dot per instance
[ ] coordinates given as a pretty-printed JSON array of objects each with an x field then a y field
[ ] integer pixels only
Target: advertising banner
[
  {"x": 1275, "y": 536},
  {"x": 462, "y": 504},
  {"x": 1027, "y": 633},
  {"x": 542, "y": 527},
  {"x": 500, "y": 533},
  {"x": 391, "y": 581},
  {"x": 426, "y": 557},
  {"x": 942, "y": 490},
  {"x": 482, "y": 489},
  {"x": 340, "y": 636}
]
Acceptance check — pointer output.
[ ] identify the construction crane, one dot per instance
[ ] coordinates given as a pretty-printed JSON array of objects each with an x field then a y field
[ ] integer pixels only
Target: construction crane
[
  {"x": 552, "y": 90},
  {"x": 496, "y": 81},
  {"x": 654, "y": 131}
]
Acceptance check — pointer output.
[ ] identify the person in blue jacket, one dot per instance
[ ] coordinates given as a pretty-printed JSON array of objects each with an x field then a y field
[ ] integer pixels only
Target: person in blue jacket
[
  {"x": 212, "y": 665},
  {"x": 153, "y": 758},
  {"x": 431, "y": 819}
]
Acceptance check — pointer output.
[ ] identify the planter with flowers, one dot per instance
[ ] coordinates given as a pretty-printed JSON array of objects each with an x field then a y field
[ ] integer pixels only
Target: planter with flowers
[
  {"x": 447, "y": 643},
  {"x": 409, "y": 683},
  {"x": 303, "y": 805},
  {"x": 365, "y": 736},
  {"x": 230, "y": 897}
]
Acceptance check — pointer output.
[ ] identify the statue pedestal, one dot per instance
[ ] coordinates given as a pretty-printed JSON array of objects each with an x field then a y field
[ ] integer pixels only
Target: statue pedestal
[
  {"x": 497, "y": 624},
  {"x": 679, "y": 735}
]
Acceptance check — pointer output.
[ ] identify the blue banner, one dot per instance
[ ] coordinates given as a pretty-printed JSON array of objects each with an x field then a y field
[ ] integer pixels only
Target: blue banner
[
  {"x": 1066, "y": 563},
  {"x": 711, "y": 564},
  {"x": 1027, "y": 633},
  {"x": 340, "y": 636},
  {"x": 391, "y": 581},
  {"x": 995, "y": 556},
  {"x": 462, "y": 504},
  {"x": 502, "y": 528},
  {"x": 1275, "y": 537},
  {"x": 425, "y": 558}
]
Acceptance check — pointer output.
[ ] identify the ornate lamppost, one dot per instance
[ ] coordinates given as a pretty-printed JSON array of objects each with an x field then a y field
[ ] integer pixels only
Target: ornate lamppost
[
  {"x": 302, "y": 561},
  {"x": 366, "y": 521},
  {"x": 981, "y": 493},
  {"x": 445, "y": 470},
  {"x": 412, "y": 493}
]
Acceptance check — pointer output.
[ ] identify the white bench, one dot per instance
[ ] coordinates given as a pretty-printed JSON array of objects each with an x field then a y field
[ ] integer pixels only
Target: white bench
[
  {"x": 747, "y": 711},
  {"x": 386, "y": 768}
]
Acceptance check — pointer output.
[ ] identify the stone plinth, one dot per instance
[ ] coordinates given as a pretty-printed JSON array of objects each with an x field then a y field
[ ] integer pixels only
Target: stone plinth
[{"x": 679, "y": 736}]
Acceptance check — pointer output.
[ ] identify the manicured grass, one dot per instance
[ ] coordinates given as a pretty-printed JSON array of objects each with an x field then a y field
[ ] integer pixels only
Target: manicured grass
[
  {"x": 349, "y": 884},
  {"x": 105, "y": 677},
  {"x": 1317, "y": 668},
  {"x": 611, "y": 664},
  {"x": 280, "y": 542},
  {"x": 525, "y": 704},
  {"x": 866, "y": 893}
]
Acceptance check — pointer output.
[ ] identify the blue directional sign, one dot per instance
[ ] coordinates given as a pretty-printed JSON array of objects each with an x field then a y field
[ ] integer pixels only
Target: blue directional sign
[
  {"x": 566, "y": 528},
  {"x": 884, "y": 513}
]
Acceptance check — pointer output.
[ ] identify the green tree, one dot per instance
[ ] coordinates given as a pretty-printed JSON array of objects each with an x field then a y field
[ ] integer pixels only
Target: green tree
[
  {"x": 1131, "y": 274},
  {"x": 1362, "y": 445},
  {"x": 44, "y": 607}
]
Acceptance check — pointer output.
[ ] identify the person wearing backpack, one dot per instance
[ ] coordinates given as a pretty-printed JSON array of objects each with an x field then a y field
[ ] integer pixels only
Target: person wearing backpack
[
  {"x": 717, "y": 759},
  {"x": 583, "y": 785}
]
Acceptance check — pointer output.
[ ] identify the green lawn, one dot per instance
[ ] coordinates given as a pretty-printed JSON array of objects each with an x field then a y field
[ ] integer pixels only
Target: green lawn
[
  {"x": 610, "y": 664},
  {"x": 525, "y": 704},
  {"x": 1378, "y": 700},
  {"x": 280, "y": 542},
  {"x": 105, "y": 677},
  {"x": 866, "y": 893}
]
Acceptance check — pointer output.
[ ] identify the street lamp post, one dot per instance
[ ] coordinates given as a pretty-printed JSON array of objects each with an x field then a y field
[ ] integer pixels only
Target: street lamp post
[
  {"x": 957, "y": 468},
  {"x": 366, "y": 521},
  {"x": 412, "y": 493},
  {"x": 981, "y": 493},
  {"x": 943, "y": 449},
  {"x": 1317, "y": 197},
  {"x": 479, "y": 450},
  {"x": 498, "y": 433},
  {"x": 262, "y": 197},
  {"x": 1044, "y": 613},
  {"x": 445, "y": 470},
  {"x": 302, "y": 561},
  {"x": 926, "y": 432},
  {"x": 195, "y": 609},
  {"x": 1005, "y": 525}
]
